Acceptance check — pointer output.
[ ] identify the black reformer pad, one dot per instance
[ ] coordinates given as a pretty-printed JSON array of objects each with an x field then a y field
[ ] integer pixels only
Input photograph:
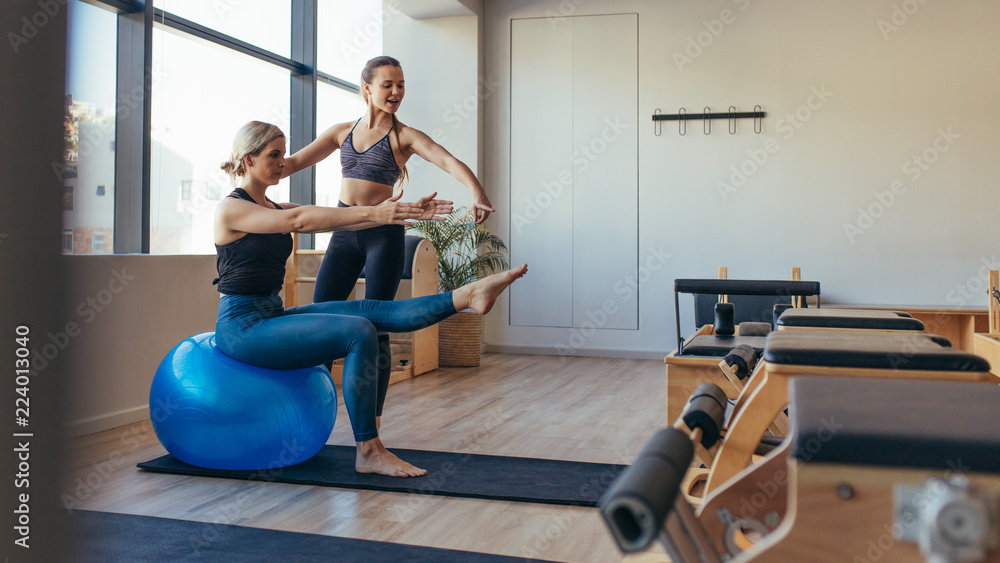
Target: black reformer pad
[
  {"x": 869, "y": 350},
  {"x": 940, "y": 425},
  {"x": 719, "y": 346},
  {"x": 858, "y": 319}
]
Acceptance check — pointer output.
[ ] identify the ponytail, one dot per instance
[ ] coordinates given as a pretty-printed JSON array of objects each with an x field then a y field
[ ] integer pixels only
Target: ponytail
[{"x": 250, "y": 139}]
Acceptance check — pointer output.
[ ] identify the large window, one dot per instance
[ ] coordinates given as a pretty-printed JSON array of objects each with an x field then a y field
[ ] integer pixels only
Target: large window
[
  {"x": 264, "y": 23},
  {"x": 349, "y": 33},
  {"x": 203, "y": 93},
  {"x": 88, "y": 170},
  {"x": 215, "y": 65},
  {"x": 333, "y": 105}
]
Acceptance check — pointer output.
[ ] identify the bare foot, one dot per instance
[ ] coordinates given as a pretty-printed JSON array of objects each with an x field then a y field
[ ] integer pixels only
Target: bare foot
[
  {"x": 374, "y": 458},
  {"x": 481, "y": 295}
]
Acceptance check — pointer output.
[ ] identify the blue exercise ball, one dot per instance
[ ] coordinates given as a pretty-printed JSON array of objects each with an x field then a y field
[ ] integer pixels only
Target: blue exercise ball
[{"x": 212, "y": 411}]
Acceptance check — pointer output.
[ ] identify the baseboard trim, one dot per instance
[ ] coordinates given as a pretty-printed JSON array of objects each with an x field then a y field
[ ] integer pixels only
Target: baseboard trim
[
  {"x": 100, "y": 423},
  {"x": 589, "y": 353}
]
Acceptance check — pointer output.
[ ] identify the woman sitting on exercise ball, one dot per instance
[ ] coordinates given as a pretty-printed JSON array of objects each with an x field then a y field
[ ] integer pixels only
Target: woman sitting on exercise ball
[{"x": 252, "y": 241}]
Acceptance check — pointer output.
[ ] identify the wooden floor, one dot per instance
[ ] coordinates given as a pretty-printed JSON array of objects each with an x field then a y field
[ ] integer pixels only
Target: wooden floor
[{"x": 583, "y": 409}]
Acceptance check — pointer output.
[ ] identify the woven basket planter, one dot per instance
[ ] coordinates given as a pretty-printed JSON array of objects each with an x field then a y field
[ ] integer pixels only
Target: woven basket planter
[{"x": 460, "y": 339}]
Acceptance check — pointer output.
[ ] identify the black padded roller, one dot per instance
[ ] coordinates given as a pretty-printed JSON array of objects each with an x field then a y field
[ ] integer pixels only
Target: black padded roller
[
  {"x": 744, "y": 358},
  {"x": 746, "y": 287},
  {"x": 706, "y": 409},
  {"x": 638, "y": 502},
  {"x": 725, "y": 319},
  {"x": 705, "y": 413},
  {"x": 711, "y": 390}
]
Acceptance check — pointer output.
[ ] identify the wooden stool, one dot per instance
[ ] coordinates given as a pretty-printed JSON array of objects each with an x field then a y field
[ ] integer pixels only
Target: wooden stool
[{"x": 420, "y": 268}]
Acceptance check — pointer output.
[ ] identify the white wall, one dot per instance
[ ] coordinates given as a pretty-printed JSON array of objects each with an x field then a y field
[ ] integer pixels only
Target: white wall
[
  {"x": 124, "y": 313},
  {"x": 868, "y": 99},
  {"x": 440, "y": 63}
]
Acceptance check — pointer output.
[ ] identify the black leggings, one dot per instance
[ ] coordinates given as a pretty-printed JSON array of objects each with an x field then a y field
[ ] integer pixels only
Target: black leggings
[{"x": 380, "y": 252}]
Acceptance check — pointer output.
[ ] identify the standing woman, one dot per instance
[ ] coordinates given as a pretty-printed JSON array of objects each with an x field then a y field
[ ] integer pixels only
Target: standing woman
[
  {"x": 252, "y": 241},
  {"x": 373, "y": 155}
]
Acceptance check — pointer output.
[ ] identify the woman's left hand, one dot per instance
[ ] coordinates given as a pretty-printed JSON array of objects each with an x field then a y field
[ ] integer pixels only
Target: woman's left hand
[
  {"x": 481, "y": 206},
  {"x": 434, "y": 209}
]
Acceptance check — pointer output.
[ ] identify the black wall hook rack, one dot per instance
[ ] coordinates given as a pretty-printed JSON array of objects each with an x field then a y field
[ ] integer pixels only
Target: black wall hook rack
[
  {"x": 682, "y": 116},
  {"x": 725, "y": 115}
]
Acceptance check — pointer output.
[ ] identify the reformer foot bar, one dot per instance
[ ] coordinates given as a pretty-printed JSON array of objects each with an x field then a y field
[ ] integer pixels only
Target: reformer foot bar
[{"x": 878, "y": 469}]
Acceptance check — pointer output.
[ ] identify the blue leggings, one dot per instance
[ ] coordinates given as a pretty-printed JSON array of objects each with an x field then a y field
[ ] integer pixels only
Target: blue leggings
[
  {"x": 257, "y": 330},
  {"x": 380, "y": 252}
]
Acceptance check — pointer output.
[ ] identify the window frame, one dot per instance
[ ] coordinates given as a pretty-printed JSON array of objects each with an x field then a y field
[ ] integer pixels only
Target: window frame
[
  {"x": 136, "y": 21},
  {"x": 98, "y": 236}
]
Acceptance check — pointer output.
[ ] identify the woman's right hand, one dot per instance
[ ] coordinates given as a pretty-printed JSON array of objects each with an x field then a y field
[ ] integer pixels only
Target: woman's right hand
[
  {"x": 395, "y": 212},
  {"x": 434, "y": 209}
]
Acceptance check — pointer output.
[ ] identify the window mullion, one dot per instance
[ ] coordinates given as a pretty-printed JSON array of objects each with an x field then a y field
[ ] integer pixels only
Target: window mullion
[
  {"x": 303, "y": 102},
  {"x": 132, "y": 131}
]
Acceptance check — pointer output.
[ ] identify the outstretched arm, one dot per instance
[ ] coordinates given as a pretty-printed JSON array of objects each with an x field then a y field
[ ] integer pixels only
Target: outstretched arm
[
  {"x": 431, "y": 210},
  {"x": 322, "y": 147},
  {"x": 421, "y": 144},
  {"x": 235, "y": 215},
  {"x": 357, "y": 227}
]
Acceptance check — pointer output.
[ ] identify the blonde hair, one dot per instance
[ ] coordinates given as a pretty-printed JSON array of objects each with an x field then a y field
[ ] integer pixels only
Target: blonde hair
[
  {"x": 367, "y": 76},
  {"x": 250, "y": 139}
]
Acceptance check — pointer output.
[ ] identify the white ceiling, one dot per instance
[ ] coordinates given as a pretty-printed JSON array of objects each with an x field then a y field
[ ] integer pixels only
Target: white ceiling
[{"x": 420, "y": 9}]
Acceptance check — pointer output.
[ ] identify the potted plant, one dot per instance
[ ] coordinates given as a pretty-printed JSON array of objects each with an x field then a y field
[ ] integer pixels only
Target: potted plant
[{"x": 466, "y": 252}]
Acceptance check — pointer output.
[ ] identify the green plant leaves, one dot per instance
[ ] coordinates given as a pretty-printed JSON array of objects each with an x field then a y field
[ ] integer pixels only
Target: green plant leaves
[{"x": 466, "y": 251}]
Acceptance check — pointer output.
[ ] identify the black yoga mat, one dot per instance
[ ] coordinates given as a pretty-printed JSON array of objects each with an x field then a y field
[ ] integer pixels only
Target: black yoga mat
[
  {"x": 103, "y": 536},
  {"x": 543, "y": 481}
]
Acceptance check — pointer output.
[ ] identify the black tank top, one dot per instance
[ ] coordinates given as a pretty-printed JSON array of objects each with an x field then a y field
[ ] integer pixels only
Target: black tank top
[{"x": 254, "y": 264}]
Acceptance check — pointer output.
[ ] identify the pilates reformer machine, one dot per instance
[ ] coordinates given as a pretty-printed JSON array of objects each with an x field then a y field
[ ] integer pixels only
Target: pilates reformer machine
[
  {"x": 987, "y": 344},
  {"x": 733, "y": 318},
  {"x": 885, "y": 470},
  {"x": 884, "y": 420},
  {"x": 816, "y": 341}
]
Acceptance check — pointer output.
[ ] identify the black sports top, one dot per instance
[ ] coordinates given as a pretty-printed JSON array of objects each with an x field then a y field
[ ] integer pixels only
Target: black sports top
[
  {"x": 377, "y": 164},
  {"x": 253, "y": 264}
]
